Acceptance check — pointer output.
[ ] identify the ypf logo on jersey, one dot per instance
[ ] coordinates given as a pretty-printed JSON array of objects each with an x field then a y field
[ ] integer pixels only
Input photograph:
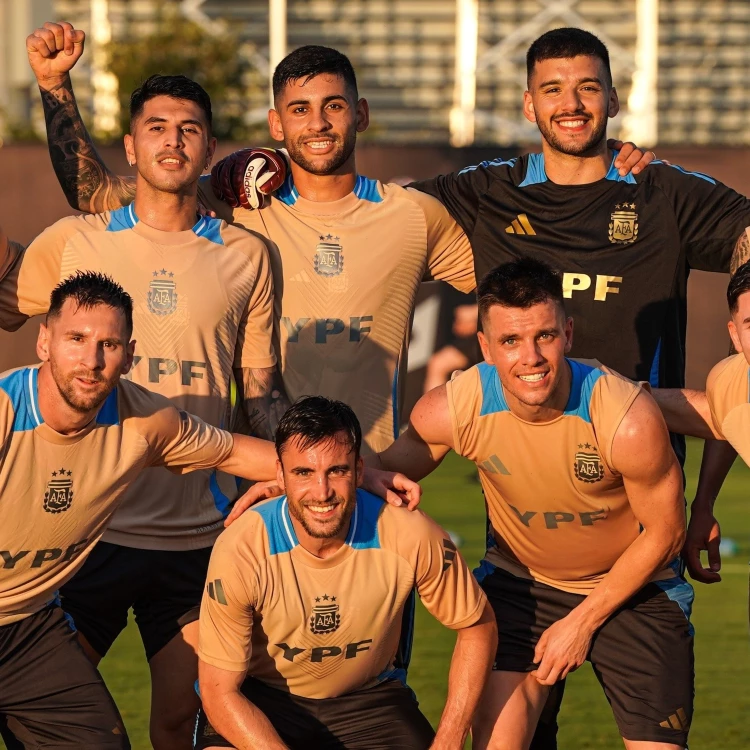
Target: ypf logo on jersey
[
  {"x": 588, "y": 466},
  {"x": 325, "y": 617},
  {"x": 59, "y": 493},
  {"x": 162, "y": 293},
  {"x": 329, "y": 256},
  {"x": 623, "y": 224}
]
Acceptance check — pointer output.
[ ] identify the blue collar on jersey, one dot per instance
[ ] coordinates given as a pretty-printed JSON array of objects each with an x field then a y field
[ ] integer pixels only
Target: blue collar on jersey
[
  {"x": 363, "y": 528},
  {"x": 22, "y": 388},
  {"x": 125, "y": 218},
  {"x": 536, "y": 173},
  {"x": 364, "y": 188}
]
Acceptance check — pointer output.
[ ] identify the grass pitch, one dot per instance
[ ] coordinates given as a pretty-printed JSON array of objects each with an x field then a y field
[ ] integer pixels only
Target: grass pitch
[{"x": 453, "y": 497}]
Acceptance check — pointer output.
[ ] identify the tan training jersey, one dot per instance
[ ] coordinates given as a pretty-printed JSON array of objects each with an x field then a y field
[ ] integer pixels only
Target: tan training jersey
[
  {"x": 558, "y": 509},
  {"x": 57, "y": 492},
  {"x": 203, "y": 304},
  {"x": 728, "y": 393},
  {"x": 321, "y": 628},
  {"x": 346, "y": 275}
]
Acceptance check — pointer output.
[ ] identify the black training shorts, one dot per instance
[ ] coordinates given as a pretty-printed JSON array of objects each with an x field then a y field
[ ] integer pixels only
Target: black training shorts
[
  {"x": 384, "y": 717},
  {"x": 163, "y": 588},
  {"x": 51, "y": 695},
  {"x": 642, "y": 655}
]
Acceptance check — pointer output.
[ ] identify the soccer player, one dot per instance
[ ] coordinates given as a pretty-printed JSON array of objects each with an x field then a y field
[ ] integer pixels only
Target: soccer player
[
  {"x": 306, "y": 598},
  {"x": 75, "y": 436},
  {"x": 204, "y": 321},
  {"x": 585, "y": 507},
  {"x": 721, "y": 412}
]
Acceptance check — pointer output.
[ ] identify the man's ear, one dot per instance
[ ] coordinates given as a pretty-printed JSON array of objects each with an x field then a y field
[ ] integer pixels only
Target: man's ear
[
  {"x": 363, "y": 115},
  {"x": 42, "y": 343},
  {"x": 129, "y": 149},
  {"x": 528, "y": 107},
  {"x": 210, "y": 151},
  {"x": 568, "y": 335},
  {"x": 130, "y": 353},
  {"x": 485, "y": 347},
  {"x": 734, "y": 335},
  {"x": 360, "y": 469},
  {"x": 280, "y": 475},
  {"x": 274, "y": 125},
  {"x": 614, "y": 103}
]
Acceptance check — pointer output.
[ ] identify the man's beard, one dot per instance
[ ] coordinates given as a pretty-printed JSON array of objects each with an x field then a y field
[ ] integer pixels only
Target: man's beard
[
  {"x": 323, "y": 531},
  {"x": 335, "y": 161},
  {"x": 572, "y": 148},
  {"x": 67, "y": 390}
]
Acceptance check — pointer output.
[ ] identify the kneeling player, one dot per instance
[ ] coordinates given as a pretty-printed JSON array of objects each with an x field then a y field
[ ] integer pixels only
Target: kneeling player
[
  {"x": 306, "y": 620},
  {"x": 584, "y": 497}
]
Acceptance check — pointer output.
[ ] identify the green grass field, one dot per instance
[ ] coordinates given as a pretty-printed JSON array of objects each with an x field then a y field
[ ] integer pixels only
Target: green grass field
[{"x": 453, "y": 498}]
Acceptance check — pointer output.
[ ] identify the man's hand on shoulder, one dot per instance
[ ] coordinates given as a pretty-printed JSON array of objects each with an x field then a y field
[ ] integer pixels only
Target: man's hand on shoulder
[
  {"x": 246, "y": 177},
  {"x": 630, "y": 159},
  {"x": 53, "y": 49}
]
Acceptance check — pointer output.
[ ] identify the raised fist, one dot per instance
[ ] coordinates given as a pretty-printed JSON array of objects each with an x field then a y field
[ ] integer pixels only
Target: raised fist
[
  {"x": 245, "y": 177},
  {"x": 53, "y": 50}
]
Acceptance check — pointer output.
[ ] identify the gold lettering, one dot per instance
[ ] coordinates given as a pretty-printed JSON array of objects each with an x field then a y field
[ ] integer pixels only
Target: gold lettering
[
  {"x": 603, "y": 288},
  {"x": 575, "y": 282}
]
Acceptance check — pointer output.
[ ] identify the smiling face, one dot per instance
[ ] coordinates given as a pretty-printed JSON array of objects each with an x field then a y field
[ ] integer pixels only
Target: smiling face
[
  {"x": 170, "y": 144},
  {"x": 320, "y": 482},
  {"x": 88, "y": 349},
  {"x": 527, "y": 346},
  {"x": 570, "y": 100},
  {"x": 318, "y": 120}
]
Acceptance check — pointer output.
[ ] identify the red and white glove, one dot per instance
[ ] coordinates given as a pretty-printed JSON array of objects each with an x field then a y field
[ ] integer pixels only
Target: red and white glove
[{"x": 246, "y": 177}]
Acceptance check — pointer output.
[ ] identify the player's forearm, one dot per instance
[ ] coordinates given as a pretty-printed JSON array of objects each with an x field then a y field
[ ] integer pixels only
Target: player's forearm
[
  {"x": 470, "y": 667},
  {"x": 409, "y": 455},
  {"x": 237, "y": 720},
  {"x": 718, "y": 457},
  {"x": 251, "y": 458},
  {"x": 87, "y": 183},
  {"x": 651, "y": 552},
  {"x": 264, "y": 399},
  {"x": 685, "y": 411}
]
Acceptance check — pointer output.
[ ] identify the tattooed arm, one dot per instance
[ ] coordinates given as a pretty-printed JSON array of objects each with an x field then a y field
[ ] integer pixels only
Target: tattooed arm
[
  {"x": 741, "y": 252},
  {"x": 263, "y": 398},
  {"x": 87, "y": 183}
]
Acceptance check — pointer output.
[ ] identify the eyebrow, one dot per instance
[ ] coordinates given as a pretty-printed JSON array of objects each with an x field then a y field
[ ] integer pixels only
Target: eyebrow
[
  {"x": 295, "y": 102},
  {"x": 558, "y": 81},
  {"x": 156, "y": 118},
  {"x": 109, "y": 339}
]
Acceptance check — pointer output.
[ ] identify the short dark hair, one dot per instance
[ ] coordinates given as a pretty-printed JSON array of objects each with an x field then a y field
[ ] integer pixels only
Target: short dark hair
[
  {"x": 310, "y": 61},
  {"x": 738, "y": 285},
  {"x": 563, "y": 43},
  {"x": 519, "y": 283},
  {"x": 176, "y": 87},
  {"x": 89, "y": 289},
  {"x": 315, "y": 419}
]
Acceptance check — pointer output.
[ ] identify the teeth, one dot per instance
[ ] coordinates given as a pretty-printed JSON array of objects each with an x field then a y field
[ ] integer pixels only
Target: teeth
[
  {"x": 321, "y": 508},
  {"x": 533, "y": 378},
  {"x": 319, "y": 144},
  {"x": 573, "y": 123},
  {"x": 170, "y": 161}
]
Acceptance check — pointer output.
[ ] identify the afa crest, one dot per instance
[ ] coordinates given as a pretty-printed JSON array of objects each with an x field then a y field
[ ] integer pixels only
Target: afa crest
[
  {"x": 59, "y": 493},
  {"x": 162, "y": 293},
  {"x": 623, "y": 224},
  {"x": 329, "y": 256},
  {"x": 588, "y": 467},
  {"x": 325, "y": 618}
]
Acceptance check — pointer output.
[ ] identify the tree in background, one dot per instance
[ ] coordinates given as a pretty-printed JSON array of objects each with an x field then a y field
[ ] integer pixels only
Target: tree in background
[{"x": 182, "y": 47}]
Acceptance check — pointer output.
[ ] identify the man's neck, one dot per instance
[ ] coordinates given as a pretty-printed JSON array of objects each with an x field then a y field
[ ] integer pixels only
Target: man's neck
[
  {"x": 322, "y": 548},
  {"x": 553, "y": 408},
  {"x": 325, "y": 188},
  {"x": 167, "y": 212},
  {"x": 54, "y": 411},
  {"x": 566, "y": 169}
]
